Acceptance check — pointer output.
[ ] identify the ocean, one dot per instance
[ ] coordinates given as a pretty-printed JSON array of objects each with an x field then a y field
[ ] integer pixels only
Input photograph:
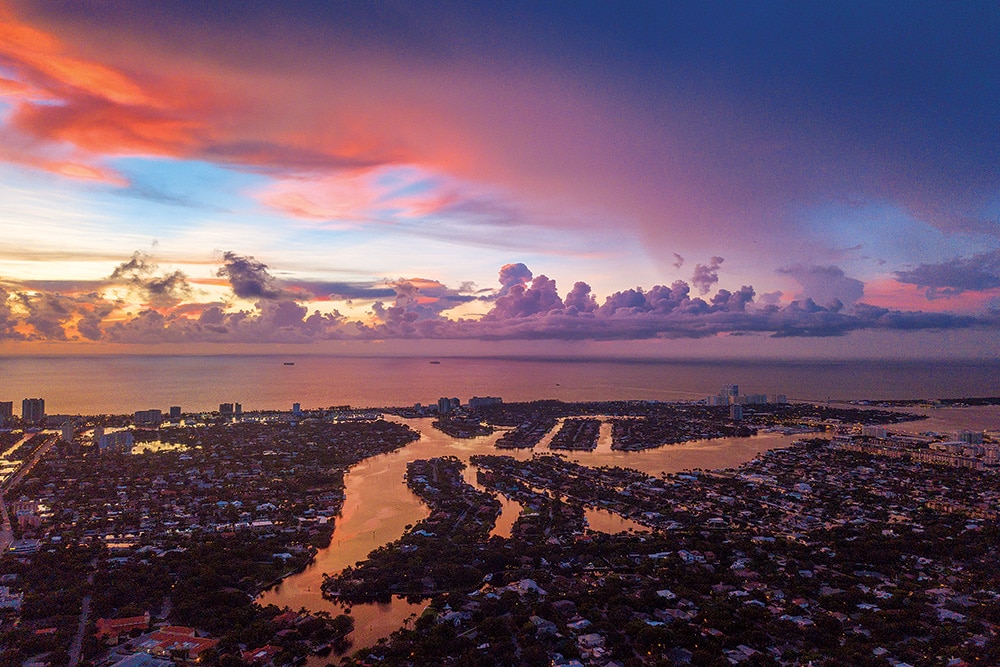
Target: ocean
[{"x": 123, "y": 384}]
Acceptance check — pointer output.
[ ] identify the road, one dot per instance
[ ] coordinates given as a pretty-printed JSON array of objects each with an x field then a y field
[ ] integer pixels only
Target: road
[
  {"x": 7, "y": 532},
  {"x": 77, "y": 646}
]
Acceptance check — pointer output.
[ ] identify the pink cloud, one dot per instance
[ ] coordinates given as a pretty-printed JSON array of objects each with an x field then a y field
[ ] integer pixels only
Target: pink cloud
[
  {"x": 690, "y": 168},
  {"x": 891, "y": 293},
  {"x": 528, "y": 308}
]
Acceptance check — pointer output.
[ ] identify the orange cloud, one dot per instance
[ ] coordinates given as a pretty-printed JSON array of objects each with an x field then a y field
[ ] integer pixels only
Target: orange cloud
[
  {"x": 100, "y": 127},
  {"x": 70, "y": 168},
  {"x": 65, "y": 103},
  {"x": 43, "y": 55},
  {"x": 12, "y": 87}
]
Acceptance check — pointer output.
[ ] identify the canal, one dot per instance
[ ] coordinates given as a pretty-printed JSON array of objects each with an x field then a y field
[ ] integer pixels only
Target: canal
[{"x": 378, "y": 508}]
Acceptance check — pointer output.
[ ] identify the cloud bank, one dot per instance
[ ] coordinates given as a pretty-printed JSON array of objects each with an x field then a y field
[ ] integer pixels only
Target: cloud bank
[
  {"x": 955, "y": 276},
  {"x": 525, "y": 307}
]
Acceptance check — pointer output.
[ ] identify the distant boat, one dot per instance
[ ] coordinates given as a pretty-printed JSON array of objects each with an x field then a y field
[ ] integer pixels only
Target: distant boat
[
  {"x": 435, "y": 362},
  {"x": 289, "y": 363}
]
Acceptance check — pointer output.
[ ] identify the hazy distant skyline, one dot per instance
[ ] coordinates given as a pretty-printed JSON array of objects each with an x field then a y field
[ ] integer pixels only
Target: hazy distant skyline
[{"x": 712, "y": 178}]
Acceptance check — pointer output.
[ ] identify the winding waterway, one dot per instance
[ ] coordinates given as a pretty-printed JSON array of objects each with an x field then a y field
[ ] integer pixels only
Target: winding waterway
[
  {"x": 378, "y": 505},
  {"x": 378, "y": 508}
]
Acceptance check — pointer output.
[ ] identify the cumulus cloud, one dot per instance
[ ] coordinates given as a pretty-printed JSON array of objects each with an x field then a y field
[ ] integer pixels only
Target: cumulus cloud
[
  {"x": 250, "y": 278},
  {"x": 955, "y": 276},
  {"x": 51, "y": 316},
  {"x": 140, "y": 273},
  {"x": 580, "y": 299},
  {"x": 522, "y": 300},
  {"x": 771, "y": 298},
  {"x": 678, "y": 261},
  {"x": 825, "y": 284},
  {"x": 47, "y": 314},
  {"x": 7, "y": 318},
  {"x": 270, "y": 322},
  {"x": 734, "y": 301},
  {"x": 513, "y": 274},
  {"x": 706, "y": 275},
  {"x": 530, "y": 308},
  {"x": 418, "y": 299}
]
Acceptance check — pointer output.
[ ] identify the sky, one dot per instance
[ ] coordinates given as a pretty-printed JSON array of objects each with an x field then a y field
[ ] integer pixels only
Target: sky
[{"x": 780, "y": 178}]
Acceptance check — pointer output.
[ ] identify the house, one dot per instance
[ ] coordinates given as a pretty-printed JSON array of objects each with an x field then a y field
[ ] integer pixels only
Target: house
[
  {"x": 176, "y": 642},
  {"x": 261, "y": 657},
  {"x": 112, "y": 629}
]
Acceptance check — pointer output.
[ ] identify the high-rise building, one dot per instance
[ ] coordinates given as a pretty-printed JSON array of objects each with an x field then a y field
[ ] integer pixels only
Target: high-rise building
[
  {"x": 874, "y": 431},
  {"x": 444, "y": 405},
  {"x": 226, "y": 409},
  {"x": 148, "y": 417},
  {"x": 296, "y": 409},
  {"x": 736, "y": 412},
  {"x": 238, "y": 409},
  {"x": 33, "y": 410},
  {"x": 118, "y": 442},
  {"x": 175, "y": 412},
  {"x": 6, "y": 411},
  {"x": 477, "y": 402},
  {"x": 67, "y": 431},
  {"x": 970, "y": 437}
]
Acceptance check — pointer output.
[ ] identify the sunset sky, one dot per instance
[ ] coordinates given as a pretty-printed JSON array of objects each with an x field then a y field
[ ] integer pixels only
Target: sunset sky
[{"x": 798, "y": 178}]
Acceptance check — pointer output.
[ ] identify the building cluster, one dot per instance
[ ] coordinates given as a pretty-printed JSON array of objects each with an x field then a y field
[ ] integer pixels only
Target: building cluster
[
  {"x": 829, "y": 552},
  {"x": 113, "y": 442},
  {"x": 162, "y": 646},
  {"x": 231, "y": 410},
  {"x": 809, "y": 554},
  {"x": 450, "y": 405},
  {"x": 32, "y": 411},
  {"x": 27, "y": 513},
  {"x": 151, "y": 417},
  {"x": 730, "y": 395},
  {"x": 221, "y": 480},
  {"x": 252, "y": 498},
  {"x": 966, "y": 449}
]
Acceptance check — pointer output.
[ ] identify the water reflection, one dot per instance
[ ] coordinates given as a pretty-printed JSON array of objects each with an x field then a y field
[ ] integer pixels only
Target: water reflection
[
  {"x": 157, "y": 446},
  {"x": 378, "y": 508},
  {"x": 604, "y": 521}
]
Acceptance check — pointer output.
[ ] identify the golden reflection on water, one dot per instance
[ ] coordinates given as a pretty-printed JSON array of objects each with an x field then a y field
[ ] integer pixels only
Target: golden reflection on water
[
  {"x": 604, "y": 521},
  {"x": 378, "y": 505},
  {"x": 378, "y": 508}
]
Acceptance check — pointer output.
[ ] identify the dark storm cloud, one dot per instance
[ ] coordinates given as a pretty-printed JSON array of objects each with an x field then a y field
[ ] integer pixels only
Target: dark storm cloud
[
  {"x": 955, "y": 276},
  {"x": 250, "y": 278},
  {"x": 140, "y": 273}
]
